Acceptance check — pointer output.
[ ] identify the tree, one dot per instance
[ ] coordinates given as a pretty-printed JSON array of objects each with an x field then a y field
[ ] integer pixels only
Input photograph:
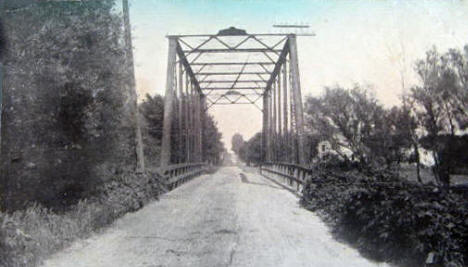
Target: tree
[
  {"x": 404, "y": 126},
  {"x": 65, "y": 77},
  {"x": 440, "y": 104},
  {"x": 251, "y": 151},
  {"x": 237, "y": 142},
  {"x": 213, "y": 147},
  {"x": 152, "y": 113},
  {"x": 351, "y": 119}
]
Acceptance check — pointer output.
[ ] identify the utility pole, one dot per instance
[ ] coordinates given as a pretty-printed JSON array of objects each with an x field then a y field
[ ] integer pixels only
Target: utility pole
[{"x": 140, "y": 168}]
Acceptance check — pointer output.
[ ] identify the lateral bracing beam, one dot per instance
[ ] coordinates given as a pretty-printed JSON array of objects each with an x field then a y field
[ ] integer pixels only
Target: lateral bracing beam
[
  {"x": 237, "y": 50},
  {"x": 231, "y": 63},
  {"x": 231, "y": 73}
]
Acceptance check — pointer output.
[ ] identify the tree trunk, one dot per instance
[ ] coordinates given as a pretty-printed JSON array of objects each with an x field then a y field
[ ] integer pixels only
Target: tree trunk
[{"x": 418, "y": 162}]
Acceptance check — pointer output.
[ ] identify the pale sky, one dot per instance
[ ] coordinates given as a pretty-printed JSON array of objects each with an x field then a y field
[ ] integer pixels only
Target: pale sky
[{"x": 368, "y": 42}]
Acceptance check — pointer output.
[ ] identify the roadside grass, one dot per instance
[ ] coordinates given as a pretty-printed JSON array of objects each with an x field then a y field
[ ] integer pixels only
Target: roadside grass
[
  {"x": 389, "y": 219},
  {"x": 29, "y": 236}
]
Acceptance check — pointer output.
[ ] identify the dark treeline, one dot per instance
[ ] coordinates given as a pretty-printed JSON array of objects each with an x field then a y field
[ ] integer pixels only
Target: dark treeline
[
  {"x": 68, "y": 136},
  {"x": 69, "y": 106},
  {"x": 67, "y": 122},
  {"x": 152, "y": 111}
]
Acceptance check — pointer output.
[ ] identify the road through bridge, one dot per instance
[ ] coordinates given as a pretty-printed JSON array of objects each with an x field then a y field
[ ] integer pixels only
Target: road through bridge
[{"x": 221, "y": 219}]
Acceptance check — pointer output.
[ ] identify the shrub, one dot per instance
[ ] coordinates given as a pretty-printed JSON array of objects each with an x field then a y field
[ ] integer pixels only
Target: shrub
[
  {"x": 28, "y": 236},
  {"x": 388, "y": 219}
]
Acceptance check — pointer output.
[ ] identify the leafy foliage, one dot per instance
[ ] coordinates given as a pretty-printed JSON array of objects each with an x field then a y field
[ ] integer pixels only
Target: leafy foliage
[
  {"x": 353, "y": 119},
  {"x": 251, "y": 151},
  {"x": 237, "y": 142},
  {"x": 152, "y": 115},
  {"x": 28, "y": 236},
  {"x": 391, "y": 220},
  {"x": 68, "y": 116},
  {"x": 212, "y": 146},
  {"x": 440, "y": 103}
]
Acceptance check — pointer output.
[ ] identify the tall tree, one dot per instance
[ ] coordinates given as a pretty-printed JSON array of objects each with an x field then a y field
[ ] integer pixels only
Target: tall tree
[
  {"x": 237, "y": 142},
  {"x": 66, "y": 78},
  {"x": 439, "y": 105},
  {"x": 351, "y": 119},
  {"x": 213, "y": 147},
  {"x": 152, "y": 114}
]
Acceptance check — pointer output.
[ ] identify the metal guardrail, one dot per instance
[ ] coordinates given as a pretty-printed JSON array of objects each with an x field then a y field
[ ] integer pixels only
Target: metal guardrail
[
  {"x": 177, "y": 174},
  {"x": 294, "y": 175}
]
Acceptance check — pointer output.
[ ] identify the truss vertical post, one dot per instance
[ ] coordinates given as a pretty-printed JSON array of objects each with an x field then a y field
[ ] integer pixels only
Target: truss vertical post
[
  {"x": 140, "y": 158},
  {"x": 266, "y": 126},
  {"x": 168, "y": 104},
  {"x": 298, "y": 109},
  {"x": 292, "y": 124},
  {"x": 285, "y": 110},
  {"x": 280, "y": 128},
  {"x": 192, "y": 123},
  {"x": 274, "y": 124},
  {"x": 190, "y": 118},
  {"x": 197, "y": 133},
  {"x": 203, "y": 121},
  {"x": 187, "y": 118},
  {"x": 181, "y": 112}
]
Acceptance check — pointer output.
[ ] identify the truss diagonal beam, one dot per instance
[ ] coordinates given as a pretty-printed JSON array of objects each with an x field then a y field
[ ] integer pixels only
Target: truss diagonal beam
[
  {"x": 281, "y": 60},
  {"x": 187, "y": 66}
]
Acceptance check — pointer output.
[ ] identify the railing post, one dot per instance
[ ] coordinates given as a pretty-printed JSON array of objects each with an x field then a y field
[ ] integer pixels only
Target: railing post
[{"x": 168, "y": 104}]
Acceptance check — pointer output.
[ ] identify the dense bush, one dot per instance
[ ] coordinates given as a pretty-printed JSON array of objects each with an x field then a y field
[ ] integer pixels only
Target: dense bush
[
  {"x": 68, "y": 113},
  {"x": 392, "y": 220},
  {"x": 28, "y": 236}
]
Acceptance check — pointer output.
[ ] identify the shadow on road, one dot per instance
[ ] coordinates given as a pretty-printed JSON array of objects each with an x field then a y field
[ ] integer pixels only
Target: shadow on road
[{"x": 245, "y": 180}]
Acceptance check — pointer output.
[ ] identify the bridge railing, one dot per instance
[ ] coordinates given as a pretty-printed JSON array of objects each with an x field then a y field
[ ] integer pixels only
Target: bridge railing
[
  {"x": 291, "y": 175},
  {"x": 177, "y": 174}
]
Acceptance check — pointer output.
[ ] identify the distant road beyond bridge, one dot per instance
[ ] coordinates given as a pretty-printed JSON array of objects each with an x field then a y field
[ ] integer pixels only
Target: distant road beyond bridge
[{"x": 223, "y": 219}]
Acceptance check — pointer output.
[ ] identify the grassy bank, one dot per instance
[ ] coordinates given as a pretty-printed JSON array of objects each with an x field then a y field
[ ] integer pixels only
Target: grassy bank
[
  {"x": 392, "y": 220},
  {"x": 28, "y": 236}
]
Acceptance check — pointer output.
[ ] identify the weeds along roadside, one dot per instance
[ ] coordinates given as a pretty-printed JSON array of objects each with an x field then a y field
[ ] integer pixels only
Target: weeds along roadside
[
  {"x": 28, "y": 236},
  {"x": 391, "y": 220}
]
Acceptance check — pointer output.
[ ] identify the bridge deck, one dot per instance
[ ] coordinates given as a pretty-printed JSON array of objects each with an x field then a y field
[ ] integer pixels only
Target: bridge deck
[{"x": 216, "y": 220}]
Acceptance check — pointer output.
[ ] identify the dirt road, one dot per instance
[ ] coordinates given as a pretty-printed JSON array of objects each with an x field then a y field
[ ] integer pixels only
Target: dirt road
[{"x": 216, "y": 220}]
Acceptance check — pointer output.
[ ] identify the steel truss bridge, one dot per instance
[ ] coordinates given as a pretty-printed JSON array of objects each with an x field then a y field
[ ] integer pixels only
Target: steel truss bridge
[{"x": 232, "y": 67}]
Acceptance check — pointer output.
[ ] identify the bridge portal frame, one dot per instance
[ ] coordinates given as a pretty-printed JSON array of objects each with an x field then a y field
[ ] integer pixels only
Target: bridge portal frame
[{"x": 277, "y": 83}]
